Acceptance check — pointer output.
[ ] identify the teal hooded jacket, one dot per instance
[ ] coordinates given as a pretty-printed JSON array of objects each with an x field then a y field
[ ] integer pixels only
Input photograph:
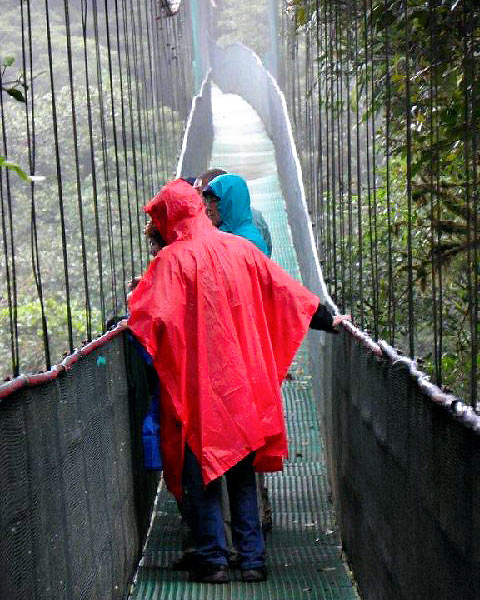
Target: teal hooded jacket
[{"x": 234, "y": 208}]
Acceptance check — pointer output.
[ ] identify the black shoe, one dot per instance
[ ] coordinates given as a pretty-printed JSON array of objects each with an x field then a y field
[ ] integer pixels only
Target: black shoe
[
  {"x": 254, "y": 575},
  {"x": 186, "y": 562},
  {"x": 208, "y": 573}
]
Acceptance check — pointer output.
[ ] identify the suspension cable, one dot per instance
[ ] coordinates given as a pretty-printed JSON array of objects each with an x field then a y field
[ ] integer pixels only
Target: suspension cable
[{"x": 59, "y": 182}]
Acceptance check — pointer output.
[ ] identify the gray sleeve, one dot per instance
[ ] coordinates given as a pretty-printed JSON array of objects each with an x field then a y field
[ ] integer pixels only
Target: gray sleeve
[{"x": 261, "y": 225}]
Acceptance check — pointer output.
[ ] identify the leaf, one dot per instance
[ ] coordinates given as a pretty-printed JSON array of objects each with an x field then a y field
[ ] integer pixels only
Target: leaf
[
  {"x": 15, "y": 93},
  {"x": 14, "y": 167},
  {"x": 8, "y": 61}
]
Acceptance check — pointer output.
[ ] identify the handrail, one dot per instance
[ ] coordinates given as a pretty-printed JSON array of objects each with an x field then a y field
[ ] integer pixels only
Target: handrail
[
  {"x": 9, "y": 387},
  {"x": 191, "y": 162}
]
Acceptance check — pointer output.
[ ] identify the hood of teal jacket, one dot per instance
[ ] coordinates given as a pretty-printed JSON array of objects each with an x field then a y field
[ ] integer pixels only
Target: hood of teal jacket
[{"x": 234, "y": 208}]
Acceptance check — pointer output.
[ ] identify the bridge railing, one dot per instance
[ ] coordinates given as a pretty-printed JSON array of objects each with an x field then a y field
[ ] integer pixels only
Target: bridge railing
[
  {"x": 75, "y": 500},
  {"x": 198, "y": 138},
  {"x": 404, "y": 458}
]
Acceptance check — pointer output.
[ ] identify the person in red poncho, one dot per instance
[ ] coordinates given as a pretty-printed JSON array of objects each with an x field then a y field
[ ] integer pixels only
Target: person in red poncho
[{"x": 222, "y": 323}]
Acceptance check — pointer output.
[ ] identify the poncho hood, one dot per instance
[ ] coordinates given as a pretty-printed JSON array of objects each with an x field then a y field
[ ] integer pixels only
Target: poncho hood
[
  {"x": 234, "y": 208},
  {"x": 177, "y": 211},
  {"x": 222, "y": 323}
]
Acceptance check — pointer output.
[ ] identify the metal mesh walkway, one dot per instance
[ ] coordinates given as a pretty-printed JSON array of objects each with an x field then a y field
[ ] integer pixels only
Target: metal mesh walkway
[{"x": 303, "y": 549}]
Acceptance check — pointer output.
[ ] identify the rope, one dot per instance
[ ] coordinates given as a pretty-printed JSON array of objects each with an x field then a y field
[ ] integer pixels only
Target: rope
[
  {"x": 470, "y": 160},
  {"x": 88, "y": 308},
  {"x": 115, "y": 146},
  {"x": 433, "y": 197},
  {"x": 9, "y": 267},
  {"x": 391, "y": 314},
  {"x": 59, "y": 182},
  {"x": 137, "y": 179},
  {"x": 30, "y": 124},
  {"x": 349, "y": 160},
  {"x": 359, "y": 175},
  {"x": 408, "y": 115},
  {"x": 108, "y": 200},
  {"x": 98, "y": 240},
  {"x": 369, "y": 116},
  {"x": 124, "y": 145},
  {"x": 319, "y": 217}
]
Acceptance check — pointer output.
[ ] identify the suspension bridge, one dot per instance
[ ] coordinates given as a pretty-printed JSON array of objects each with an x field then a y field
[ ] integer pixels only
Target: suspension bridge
[{"x": 101, "y": 104}]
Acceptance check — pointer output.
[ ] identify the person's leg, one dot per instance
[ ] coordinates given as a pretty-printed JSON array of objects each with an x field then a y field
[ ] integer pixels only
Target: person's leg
[
  {"x": 188, "y": 559},
  {"x": 264, "y": 505},
  {"x": 246, "y": 527},
  {"x": 204, "y": 514},
  {"x": 227, "y": 523}
]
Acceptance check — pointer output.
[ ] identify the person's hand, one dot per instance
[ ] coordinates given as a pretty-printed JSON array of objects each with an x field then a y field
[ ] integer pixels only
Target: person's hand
[
  {"x": 338, "y": 319},
  {"x": 132, "y": 284}
]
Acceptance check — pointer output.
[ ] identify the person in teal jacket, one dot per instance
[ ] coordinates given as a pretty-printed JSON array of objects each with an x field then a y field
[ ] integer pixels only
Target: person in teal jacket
[{"x": 228, "y": 202}]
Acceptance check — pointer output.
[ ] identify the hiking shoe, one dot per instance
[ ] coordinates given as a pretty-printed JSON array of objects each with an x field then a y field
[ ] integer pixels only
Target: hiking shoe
[
  {"x": 186, "y": 562},
  {"x": 254, "y": 575},
  {"x": 208, "y": 573}
]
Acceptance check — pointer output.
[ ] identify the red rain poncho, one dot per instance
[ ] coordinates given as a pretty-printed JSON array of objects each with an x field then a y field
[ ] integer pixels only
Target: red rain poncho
[{"x": 222, "y": 323}]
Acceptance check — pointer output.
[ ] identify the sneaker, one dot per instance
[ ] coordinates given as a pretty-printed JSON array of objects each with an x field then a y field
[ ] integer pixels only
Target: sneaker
[
  {"x": 254, "y": 575},
  {"x": 186, "y": 562},
  {"x": 208, "y": 573}
]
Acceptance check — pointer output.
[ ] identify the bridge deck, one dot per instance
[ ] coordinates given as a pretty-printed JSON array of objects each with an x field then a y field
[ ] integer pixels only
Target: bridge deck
[{"x": 303, "y": 549}]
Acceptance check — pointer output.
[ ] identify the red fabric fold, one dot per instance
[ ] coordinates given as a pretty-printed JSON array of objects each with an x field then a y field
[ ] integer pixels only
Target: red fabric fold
[{"x": 222, "y": 323}]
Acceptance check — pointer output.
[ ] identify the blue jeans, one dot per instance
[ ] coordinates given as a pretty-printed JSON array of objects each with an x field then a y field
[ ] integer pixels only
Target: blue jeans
[{"x": 203, "y": 507}]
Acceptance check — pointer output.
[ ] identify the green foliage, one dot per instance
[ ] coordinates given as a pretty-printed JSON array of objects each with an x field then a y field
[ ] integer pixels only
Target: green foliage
[
  {"x": 30, "y": 329},
  {"x": 239, "y": 23},
  {"x": 7, "y": 164},
  {"x": 110, "y": 185},
  {"x": 441, "y": 59},
  {"x": 16, "y": 87}
]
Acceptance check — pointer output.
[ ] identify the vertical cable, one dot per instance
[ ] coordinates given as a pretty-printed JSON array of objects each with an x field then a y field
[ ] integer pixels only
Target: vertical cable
[
  {"x": 307, "y": 124},
  {"x": 146, "y": 168},
  {"x": 469, "y": 134},
  {"x": 438, "y": 211},
  {"x": 131, "y": 110},
  {"x": 160, "y": 141},
  {"x": 358, "y": 173},
  {"x": 106, "y": 170},
  {"x": 320, "y": 209},
  {"x": 88, "y": 308},
  {"x": 161, "y": 101},
  {"x": 155, "y": 125},
  {"x": 10, "y": 270},
  {"x": 391, "y": 311},
  {"x": 408, "y": 108},
  {"x": 433, "y": 198},
  {"x": 369, "y": 115},
  {"x": 124, "y": 143},
  {"x": 59, "y": 182},
  {"x": 115, "y": 148},
  {"x": 167, "y": 45},
  {"x": 349, "y": 152},
  {"x": 98, "y": 239},
  {"x": 339, "y": 128},
  {"x": 31, "y": 142},
  {"x": 329, "y": 266},
  {"x": 333, "y": 153},
  {"x": 474, "y": 222},
  {"x": 146, "y": 95},
  {"x": 375, "y": 273}
]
